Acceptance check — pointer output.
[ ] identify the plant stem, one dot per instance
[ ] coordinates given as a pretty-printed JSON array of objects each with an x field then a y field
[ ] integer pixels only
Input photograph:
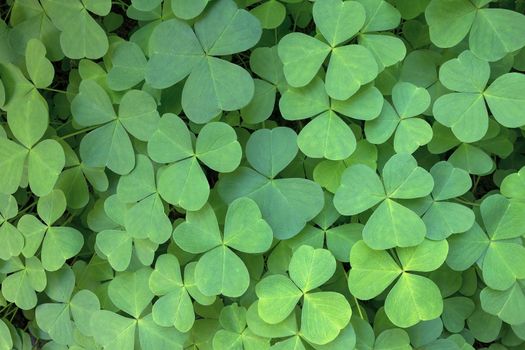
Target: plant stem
[
  {"x": 78, "y": 132},
  {"x": 54, "y": 90},
  {"x": 463, "y": 201}
]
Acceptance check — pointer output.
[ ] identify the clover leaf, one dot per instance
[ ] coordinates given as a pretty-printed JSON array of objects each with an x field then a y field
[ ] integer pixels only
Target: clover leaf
[
  {"x": 361, "y": 189},
  {"x": 13, "y": 241},
  {"x": 324, "y": 314},
  {"x": 444, "y": 218},
  {"x": 24, "y": 280},
  {"x": 410, "y": 132},
  {"x": 327, "y": 135},
  {"x": 450, "y": 21},
  {"x": 146, "y": 218},
  {"x": 130, "y": 293},
  {"x": 213, "y": 84},
  {"x": 302, "y": 55},
  {"x": 498, "y": 253},
  {"x": 298, "y": 200},
  {"x": 413, "y": 298},
  {"x": 200, "y": 234},
  {"x": 109, "y": 144},
  {"x": 116, "y": 244},
  {"x": 234, "y": 333},
  {"x": 182, "y": 182},
  {"x": 469, "y": 118},
  {"x": 56, "y": 243}
]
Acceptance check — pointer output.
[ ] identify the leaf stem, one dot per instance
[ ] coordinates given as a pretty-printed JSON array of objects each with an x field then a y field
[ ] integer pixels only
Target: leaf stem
[
  {"x": 463, "y": 201},
  {"x": 78, "y": 132},
  {"x": 54, "y": 90}
]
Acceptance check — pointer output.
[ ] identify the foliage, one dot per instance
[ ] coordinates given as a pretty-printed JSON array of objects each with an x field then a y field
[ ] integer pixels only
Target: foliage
[{"x": 262, "y": 174}]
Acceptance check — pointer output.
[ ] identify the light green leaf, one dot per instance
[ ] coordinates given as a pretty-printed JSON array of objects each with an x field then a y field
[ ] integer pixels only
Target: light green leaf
[
  {"x": 60, "y": 244},
  {"x": 138, "y": 114},
  {"x": 388, "y": 227},
  {"x": 327, "y": 136},
  {"x": 184, "y": 184},
  {"x": 220, "y": 271},
  {"x": 216, "y": 85},
  {"x": 39, "y": 68},
  {"x": 310, "y": 268},
  {"x": 244, "y": 228},
  {"x": 504, "y": 101},
  {"x": 302, "y": 56},
  {"x": 324, "y": 315},
  {"x": 171, "y": 142},
  {"x": 372, "y": 271},
  {"x": 412, "y": 299},
  {"x": 225, "y": 29},
  {"x": 108, "y": 146},
  {"x": 116, "y": 246},
  {"x": 45, "y": 163},
  {"x": 278, "y": 296},
  {"x": 129, "y": 291},
  {"x": 262, "y": 142},
  {"x": 200, "y": 232},
  {"x": 218, "y": 148},
  {"x": 345, "y": 75},
  {"x": 338, "y": 21}
]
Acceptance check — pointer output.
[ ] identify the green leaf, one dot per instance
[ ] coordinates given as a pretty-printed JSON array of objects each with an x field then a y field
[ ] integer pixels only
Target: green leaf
[
  {"x": 507, "y": 305},
  {"x": 324, "y": 315},
  {"x": 500, "y": 27},
  {"x": 116, "y": 246},
  {"x": 60, "y": 244},
  {"x": 403, "y": 179},
  {"x": 171, "y": 61},
  {"x": 270, "y": 13},
  {"x": 310, "y": 268},
  {"x": 225, "y": 29},
  {"x": 39, "y": 68},
  {"x": 501, "y": 264},
  {"x": 112, "y": 330},
  {"x": 447, "y": 30},
  {"x": 218, "y": 148},
  {"x": 345, "y": 76},
  {"x": 171, "y": 142},
  {"x": 51, "y": 207},
  {"x": 327, "y": 136},
  {"x": 302, "y": 56},
  {"x": 28, "y": 118},
  {"x": 425, "y": 257},
  {"x": 331, "y": 17},
  {"x": 394, "y": 338},
  {"x": 244, "y": 228},
  {"x": 220, "y": 271},
  {"x": 92, "y": 105},
  {"x": 5, "y": 337},
  {"x": 372, "y": 271},
  {"x": 138, "y": 114},
  {"x": 502, "y": 217},
  {"x": 12, "y": 159},
  {"x": 386, "y": 228},
  {"x": 82, "y": 36},
  {"x": 199, "y": 233},
  {"x": 410, "y": 100},
  {"x": 466, "y": 73},
  {"x": 278, "y": 296},
  {"x": 108, "y": 146},
  {"x": 504, "y": 103},
  {"x": 259, "y": 150},
  {"x": 130, "y": 293},
  {"x": 412, "y": 299},
  {"x": 45, "y": 163},
  {"x": 184, "y": 184},
  {"x": 215, "y": 85},
  {"x": 129, "y": 66},
  {"x": 188, "y": 9}
]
